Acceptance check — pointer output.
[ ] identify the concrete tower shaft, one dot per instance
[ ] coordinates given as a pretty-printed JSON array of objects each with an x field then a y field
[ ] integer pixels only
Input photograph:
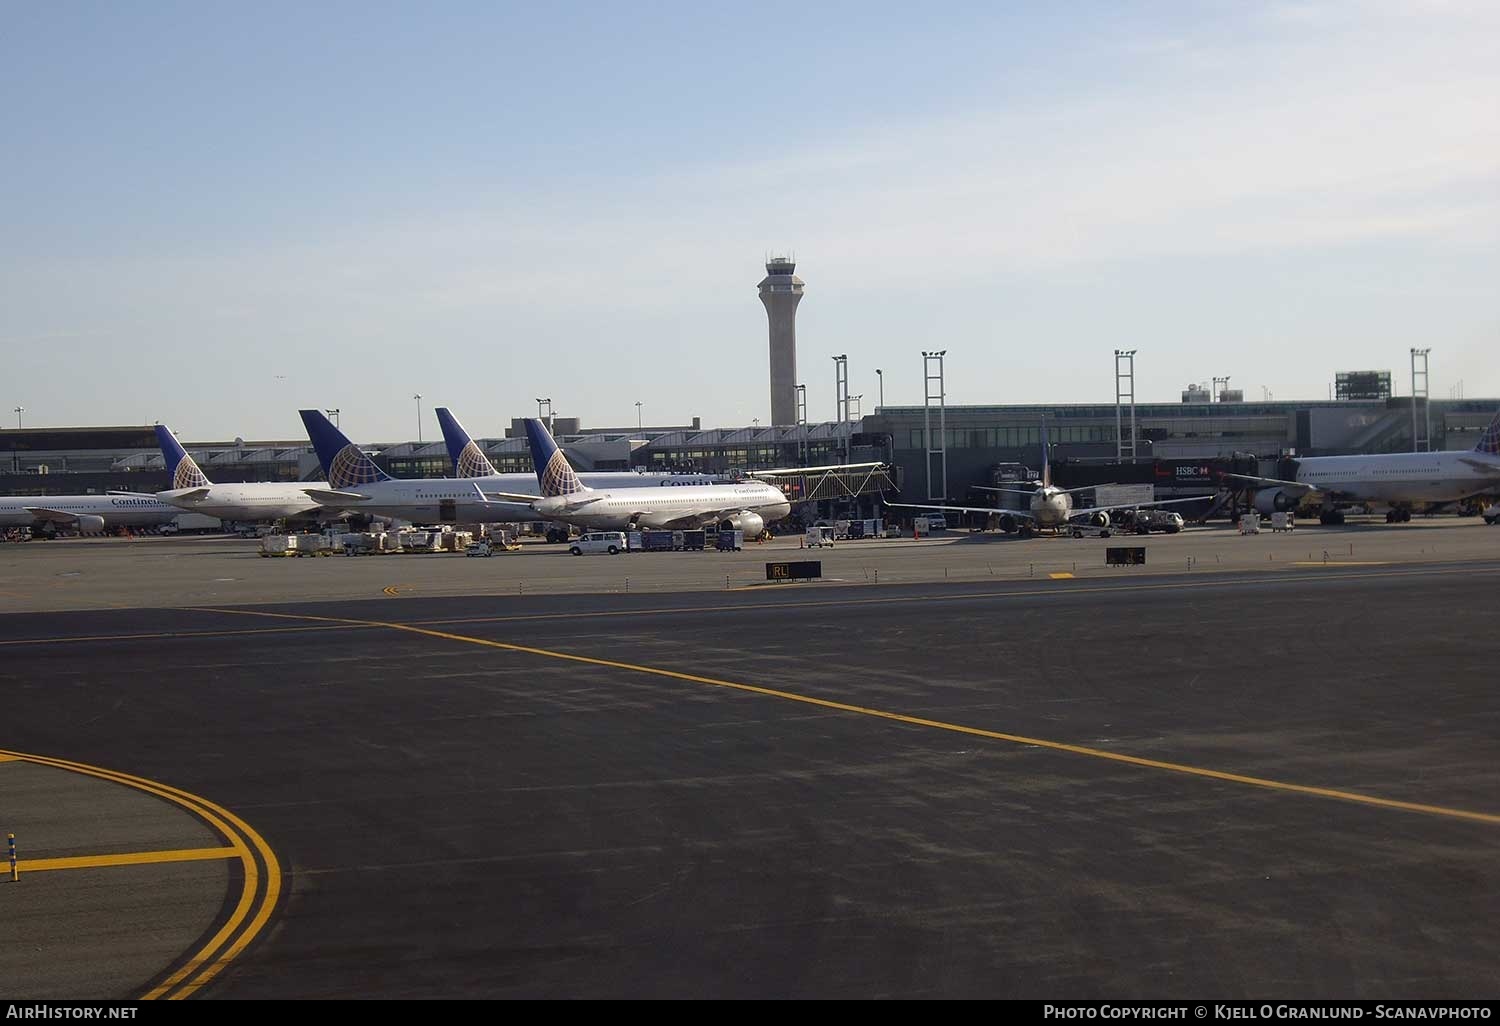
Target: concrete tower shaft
[{"x": 781, "y": 291}]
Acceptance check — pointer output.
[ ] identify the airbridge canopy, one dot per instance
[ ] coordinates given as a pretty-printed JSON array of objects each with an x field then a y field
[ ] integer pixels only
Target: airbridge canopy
[{"x": 820, "y": 485}]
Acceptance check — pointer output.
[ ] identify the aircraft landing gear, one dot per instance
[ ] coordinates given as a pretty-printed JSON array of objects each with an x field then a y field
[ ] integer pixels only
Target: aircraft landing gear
[
  {"x": 1331, "y": 518},
  {"x": 1397, "y": 516}
]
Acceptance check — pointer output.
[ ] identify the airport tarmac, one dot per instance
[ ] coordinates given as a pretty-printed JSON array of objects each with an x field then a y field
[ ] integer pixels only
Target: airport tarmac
[
  {"x": 102, "y": 573},
  {"x": 1149, "y": 781}
]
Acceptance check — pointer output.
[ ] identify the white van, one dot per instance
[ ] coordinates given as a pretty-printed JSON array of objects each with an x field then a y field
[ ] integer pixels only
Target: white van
[{"x": 612, "y": 542}]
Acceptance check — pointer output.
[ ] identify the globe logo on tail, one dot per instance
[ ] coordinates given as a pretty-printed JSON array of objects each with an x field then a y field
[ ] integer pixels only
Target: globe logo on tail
[
  {"x": 559, "y": 478},
  {"x": 1489, "y": 442},
  {"x": 352, "y": 467},
  {"x": 472, "y": 462},
  {"x": 187, "y": 474}
]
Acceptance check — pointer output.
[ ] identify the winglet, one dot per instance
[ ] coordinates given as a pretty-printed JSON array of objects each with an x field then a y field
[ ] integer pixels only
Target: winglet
[
  {"x": 553, "y": 472},
  {"x": 345, "y": 464},
  {"x": 468, "y": 459},
  {"x": 182, "y": 468}
]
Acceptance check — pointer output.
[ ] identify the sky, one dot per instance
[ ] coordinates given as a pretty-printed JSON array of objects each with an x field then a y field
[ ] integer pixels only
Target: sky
[{"x": 213, "y": 215}]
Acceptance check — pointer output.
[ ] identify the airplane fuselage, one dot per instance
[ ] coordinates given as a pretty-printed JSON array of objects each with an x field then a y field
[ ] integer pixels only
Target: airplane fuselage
[
  {"x": 114, "y": 510},
  {"x": 251, "y": 500},
  {"x": 458, "y": 500},
  {"x": 620, "y": 508},
  {"x": 1402, "y": 478},
  {"x": 1051, "y": 507}
]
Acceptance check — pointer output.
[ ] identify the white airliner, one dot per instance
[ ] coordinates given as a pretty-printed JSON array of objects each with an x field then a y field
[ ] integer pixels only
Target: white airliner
[
  {"x": 46, "y": 515},
  {"x": 357, "y": 485},
  {"x": 243, "y": 501},
  {"x": 1050, "y": 507},
  {"x": 1402, "y": 481},
  {"x": 744, "y": 506}
]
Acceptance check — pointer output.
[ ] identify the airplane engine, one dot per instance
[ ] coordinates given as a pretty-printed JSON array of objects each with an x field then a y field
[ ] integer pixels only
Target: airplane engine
[
  {"x": 1100, "y": 519},
  {"x": 1007, "y": 523},
  {"x": 1274, "y": 500},
  {"x": 751, "y": 523},
  {"x": 90, "y": 524}
]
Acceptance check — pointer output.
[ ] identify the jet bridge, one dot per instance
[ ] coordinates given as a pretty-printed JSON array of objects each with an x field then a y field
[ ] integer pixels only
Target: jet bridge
[{"x": 822, "y": 484}]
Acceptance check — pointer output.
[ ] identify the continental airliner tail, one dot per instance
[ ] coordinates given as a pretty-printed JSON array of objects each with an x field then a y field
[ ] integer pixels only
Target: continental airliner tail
[
  {"x": 183, "y": 470},
  {"x": 1489, "y": 442},
  {"x": 468, "y": 459},
  {"x": 345, "y": 463},
  {"x": 553, "y": 472}
]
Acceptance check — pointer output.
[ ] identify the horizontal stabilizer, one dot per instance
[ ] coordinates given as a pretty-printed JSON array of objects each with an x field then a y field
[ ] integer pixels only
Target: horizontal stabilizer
[
  {"x": 181, "y": 495},
  {"x": 329, "y": 497}
]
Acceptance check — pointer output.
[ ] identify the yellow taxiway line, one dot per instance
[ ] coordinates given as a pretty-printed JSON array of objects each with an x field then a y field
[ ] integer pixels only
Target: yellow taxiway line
[
  {"x": 257, "y": 897},
  {"x": 1020, "y": 739}
]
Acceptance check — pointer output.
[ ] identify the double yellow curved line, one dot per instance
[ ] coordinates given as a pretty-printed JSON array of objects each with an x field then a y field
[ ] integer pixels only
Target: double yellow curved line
[{"x": 259, "y": 893}]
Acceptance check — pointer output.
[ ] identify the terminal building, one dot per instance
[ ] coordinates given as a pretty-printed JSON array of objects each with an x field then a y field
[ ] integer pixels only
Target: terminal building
[
  {"x": 977, "y": 445},
  {"x": 986, "y": 445}
]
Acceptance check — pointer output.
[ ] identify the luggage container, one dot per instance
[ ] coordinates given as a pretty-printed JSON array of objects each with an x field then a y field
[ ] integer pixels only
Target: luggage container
[
  {"x": 657, "y": 541},
  {"x": 731, "y": 541},
  {"x": 694, "y": 541},
  {"x": 278, "y": 545}
]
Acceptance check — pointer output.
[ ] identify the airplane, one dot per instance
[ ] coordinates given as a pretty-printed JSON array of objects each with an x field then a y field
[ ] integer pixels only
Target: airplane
[
  {"x": 1400, "y": 480},
  {"x": 1051, "y": 507},
  {"x": 744, "y": 506},
  {"x": 357, "y": 485},
  {"x": 47, "y": 515},
  {"x": 243, "y": 501}
]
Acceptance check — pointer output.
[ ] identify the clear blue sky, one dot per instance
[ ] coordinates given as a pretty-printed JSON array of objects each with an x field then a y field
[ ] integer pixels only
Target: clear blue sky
[{"x": 215, "y": 214}]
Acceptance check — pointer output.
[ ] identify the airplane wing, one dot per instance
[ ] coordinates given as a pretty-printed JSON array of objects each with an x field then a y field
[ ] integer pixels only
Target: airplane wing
[
  {"x": 56, "y": 516},
  {"x": 1007, "y": 491},
  {"x": 1138, "y": 505},
  {"x": 1274, "y": 482},
  {"x": 692, "y": 518},
  {"x": 328, "y": 497},
  {"x": 516, "y": 498},
  {"x": 989, "y": 510},
  {"x": 1021, "y": 491}
]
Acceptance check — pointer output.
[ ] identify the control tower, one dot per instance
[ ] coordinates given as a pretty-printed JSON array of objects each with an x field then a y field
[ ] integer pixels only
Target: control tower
[{"x": 781, "y": 291}]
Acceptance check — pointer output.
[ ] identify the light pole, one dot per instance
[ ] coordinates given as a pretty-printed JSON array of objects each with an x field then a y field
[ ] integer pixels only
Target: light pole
[
  {"x": 335, "y": 415},
  {"x": 1124, "y": 393},
  {"x": 841, "y": 397},
  {"x": 547, "y": 403},
  {"x": 19, "y": 410},
  {"x": 880, "y": 378},
  {"x": 418, "y": 398},
  {"x": 638, "y": 428},
  {"x": 935, "y": 387}
]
